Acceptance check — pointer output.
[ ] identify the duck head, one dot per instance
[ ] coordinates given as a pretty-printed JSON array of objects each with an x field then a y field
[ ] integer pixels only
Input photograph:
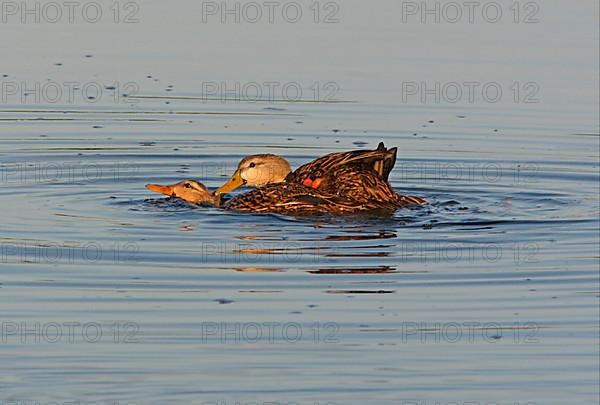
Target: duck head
[
  {"x": 188, "y": 190},
  {"x": 256, "y": 171}
]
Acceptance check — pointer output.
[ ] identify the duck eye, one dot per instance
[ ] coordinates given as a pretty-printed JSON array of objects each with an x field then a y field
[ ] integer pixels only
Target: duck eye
[
  {"x": 252, "y": 164},
  {"x": 187, "y": 185}
]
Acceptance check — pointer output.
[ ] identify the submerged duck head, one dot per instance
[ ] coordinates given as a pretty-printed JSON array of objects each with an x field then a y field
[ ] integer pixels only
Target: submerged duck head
[
  {"x": 256, "y": 171},
  {"x": 188, "y": 190}
]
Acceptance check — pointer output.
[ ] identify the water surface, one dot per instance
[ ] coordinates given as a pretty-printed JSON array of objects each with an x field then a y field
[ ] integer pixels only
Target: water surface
[{"x": 488, "y": 294}]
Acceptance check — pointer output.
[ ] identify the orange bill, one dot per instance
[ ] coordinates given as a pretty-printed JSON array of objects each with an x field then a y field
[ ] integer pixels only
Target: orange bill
[{"x": 157, "y": 188}]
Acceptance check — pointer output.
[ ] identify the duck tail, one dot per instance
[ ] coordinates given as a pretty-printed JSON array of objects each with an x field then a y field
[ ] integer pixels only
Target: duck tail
[{"x": 385, "y": 164}]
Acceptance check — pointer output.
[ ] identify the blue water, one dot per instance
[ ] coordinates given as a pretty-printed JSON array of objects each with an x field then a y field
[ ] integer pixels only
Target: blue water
[{"x": 490, "y": 293}]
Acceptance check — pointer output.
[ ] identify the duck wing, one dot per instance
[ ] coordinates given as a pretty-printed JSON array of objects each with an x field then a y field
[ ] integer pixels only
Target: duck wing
[
  {"x": 381, "y": 161},
  {"x": 365, "y": 189}
]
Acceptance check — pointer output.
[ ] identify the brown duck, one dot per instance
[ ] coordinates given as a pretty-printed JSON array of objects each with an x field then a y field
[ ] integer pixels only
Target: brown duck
[{"x": 337, "y": 183}]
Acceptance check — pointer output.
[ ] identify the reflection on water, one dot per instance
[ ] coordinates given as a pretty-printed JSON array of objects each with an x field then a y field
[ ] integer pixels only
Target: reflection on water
[{"x": 364, "y": 270}]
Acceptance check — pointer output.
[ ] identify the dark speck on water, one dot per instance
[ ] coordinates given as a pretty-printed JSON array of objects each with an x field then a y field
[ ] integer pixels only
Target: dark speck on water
[{"x": 224, "y": 301}]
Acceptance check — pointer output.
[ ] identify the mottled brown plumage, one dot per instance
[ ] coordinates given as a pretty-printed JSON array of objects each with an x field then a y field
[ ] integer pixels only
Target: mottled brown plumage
[
  {"x": 380, "y": 160},
  {"x": 343, "y": 190}
]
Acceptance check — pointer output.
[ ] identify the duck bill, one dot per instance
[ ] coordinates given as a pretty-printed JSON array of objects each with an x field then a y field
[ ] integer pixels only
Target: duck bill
[
  {"x": 157, "y": 188},
  {"x": 234, "y": 182}
]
